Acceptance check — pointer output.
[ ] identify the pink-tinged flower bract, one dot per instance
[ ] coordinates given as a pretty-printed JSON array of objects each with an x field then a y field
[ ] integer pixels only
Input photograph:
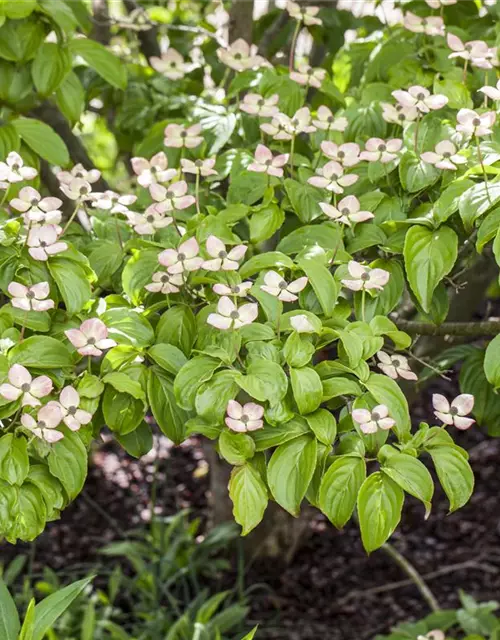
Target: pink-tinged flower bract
[
  {"x": 285, "y": 291},
  {"x": 444, "y": 156},
  {"x": 221, "y": 259},
  {"x": 372, "y": 421},
  {"x": 184, "y": 258},
  {"x": 43, "y": 242},
  {"x": 33, "y": 298},
  {"x": 454, "y": 413},
  {"x": 365, "y": 278},
  {"x": 46, "y": 422},
  {"x": 265, "y": 162},
  {"x": 91, "y": 338},
  {"x": 244, "y": 418},
  {"x": 347, "y": 211},
  {"x": 21, "y": 383},
  {"x": 229, "y": 316},
  {"x": 178, "y": 136},
  {"x": 395, "y": 366},
  {"x": 69, "y": 405},
  {"x": 154, "y": 170}
]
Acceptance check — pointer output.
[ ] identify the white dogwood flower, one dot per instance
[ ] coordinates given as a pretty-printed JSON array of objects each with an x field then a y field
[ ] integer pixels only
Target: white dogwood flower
[
  {"x": 44, "y": 426},
  {"x": 276, "y": 286},
  {"x": 13, "y": 170},
  {"x": 431, "y": 25},
  {"x": 278, "y": 128},
  {"x": 372, "y": 421},
  {"x": 420, "y": 98},
  {"x": 165, "y": 282},
  {"x": 154, "y": 170},
  {"x": 468, "y": 50},
  {"x": 244, "y": 418},
  {"x": 256, "y": 105},
  {"x": 444, "y": 156},
  {"x": 454, "y": 413},
  {"x": 147, "y": 223},
  {"x": 474, "y": 124},
  {"x": 364, "y": 277},
  {"x": 346, "y": 154},
  {"x": 113, "y": 202},
  {"x": 240, "y": 56},
  {"x": 43, "y": 242},
  {"x": 21, "y": 383},
  {"x": 91, "y": 338},
  {"x": 36, "y": 209},
  {"x": 332, "y": 178},
  {"x": 173, "y": 198},
  {"x": 221, "y": 258},
  {"x": 79, "y": 172},
  {"x": 492, "y": 92},
  {"x": 31, "y": 298},
  {"x": 395, "y": 366},
  {"x": 229, "y": 316},
  {"x": 307, "y": 15},
  {"x": 77, "y": 189},
  {"x": 184, "y": 258},
  {"x": 308, "y": 76},
  {"x": 398, "y": 114},
  {"x": 378, "y": 150},
  {"x": 69, "y": 405},
  {"x": 326, "y": 121},
  {"x": 178, "y": 136},
  {"x": 171, "y": 64},
  {"x": 239, "y": 290},
  {"x": 347, "y": 211},
  {"x": 265, "y": 162},
  {"x": 199, "y": 167}
]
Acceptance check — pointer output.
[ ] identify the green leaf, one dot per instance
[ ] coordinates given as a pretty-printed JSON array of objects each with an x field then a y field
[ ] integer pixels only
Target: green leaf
[
  {"x": 269, "y": 437},
  {"x": 9, "y": 618},
  {"x": 323, "y": 424},
  {"x": 265, "y": 380},
  {"x": 454, "y": 473},
  {"x": 352, "y": 345},
  {"x": 20, "y": 39},
  {"x": 14, "y": 462},
  {"x": 212, "y": 396},
  {"x": 177, "y": 326},
  {"x": 129, "y": 327},
  {"x": 307, "y": 389},
  {"x": 386, "y": 391},
  {"x": 105, "y": 259},
  {"x": 29, "y": 622},
  {"x": 492, "y": 362},
  {"x": 32, "y": 513},
  {"x": 53, "y": 606},
  {"x": 124, "y": 383},
  {"x": 236, "y": 448},
  {"x": 338, "y": 386},
  {"x": 486, "y": 401},
  {"x": 43, "y": 140},
  {"x": 412, "y": 476},
  {"x": 67, "y": 461},
  {"x": 322, "y": 282},
  {"x": 72, "y": 282},
  {"x": 9, "y": 140},
  {"x": 137, "y": 272},
  {"x": 105, "y": 63},
  {"x": 415, "y": 174},
  {"x": 268, "y": 260},
  {"x": 246, "y": 188},
  {"x": 476, "y": 201},
  {"x": 167, "y": 357},
  {"x": 50, "y": 66},
  {"x": 380, "y": 501},
  {"x": 326, "y": 236},
  {"x": 290, "y": 471},
  {"x": 41, "y": 352},
  {"x": 249, "y": 495},
  {"x": 50, "y": 488},
  {"x": 70, "y": 97},
  {"x": 193, "y": 374},
  {"x": 170, "y": 418},
  {"x": 138, "y": 442},
  {"x": 447, "y": 203},
  {"x": 339, "y": 488},
  {"x": 265, "y": 222},
  {"x": 429, "y": 257},
  {"x": 304, "y": 199},
  {"x": 298, "y": 350},
  {"x": 17, "y": 10}
]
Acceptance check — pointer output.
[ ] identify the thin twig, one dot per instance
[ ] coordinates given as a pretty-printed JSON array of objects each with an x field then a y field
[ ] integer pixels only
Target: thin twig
[
  {"x": 399, "y": 584},
  {"x": 413, "y": 574},
  {"x": 472, "y": 329}
]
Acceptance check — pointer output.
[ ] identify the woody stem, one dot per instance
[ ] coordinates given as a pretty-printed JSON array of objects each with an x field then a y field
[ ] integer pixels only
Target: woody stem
[
  {"x": 197, "y": 192},
  {"x": 485, "y": 176}
]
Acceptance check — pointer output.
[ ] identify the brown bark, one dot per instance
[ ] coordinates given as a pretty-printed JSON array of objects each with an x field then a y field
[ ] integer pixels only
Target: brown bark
[
  {"x": 50, "y": 114},
  {"x": 101, "y": 29},
  {"x": 241, "y": 20}
]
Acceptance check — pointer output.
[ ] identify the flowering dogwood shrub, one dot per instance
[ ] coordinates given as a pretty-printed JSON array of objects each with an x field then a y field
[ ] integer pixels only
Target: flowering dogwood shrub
[{"x": 246, "y": 282}]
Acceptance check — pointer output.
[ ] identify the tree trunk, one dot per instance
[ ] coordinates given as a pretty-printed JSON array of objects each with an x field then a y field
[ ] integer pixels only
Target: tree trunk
[{"x": 241, "y": 20}]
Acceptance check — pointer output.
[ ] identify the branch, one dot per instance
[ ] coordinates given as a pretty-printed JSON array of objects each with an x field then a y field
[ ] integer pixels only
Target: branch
[
  {"x": 148, "y": 38},
  {"x": 101, "y": 31},
  {"x": 51, "y": 115},
  {"x": 463, "y": 329},
  {"x": 413, "y": 574},
  {"x": 270, "y": 33}
]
